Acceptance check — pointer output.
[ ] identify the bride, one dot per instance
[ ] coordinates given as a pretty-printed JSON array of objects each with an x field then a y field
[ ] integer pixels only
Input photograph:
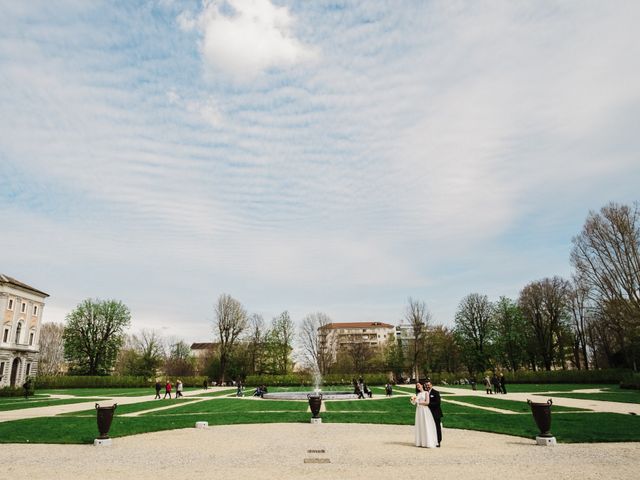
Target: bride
[{"x": 426, "y": 435}]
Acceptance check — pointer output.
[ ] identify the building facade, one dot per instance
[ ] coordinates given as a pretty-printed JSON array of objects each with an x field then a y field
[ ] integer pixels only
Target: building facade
[
  {"x": 338, "y": 336},
  {"x": 21, "y": 309}
]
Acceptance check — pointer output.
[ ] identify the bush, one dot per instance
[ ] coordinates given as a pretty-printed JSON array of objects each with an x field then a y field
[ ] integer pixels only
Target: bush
[
  {"x": 12, "y": 392},
  {"x": 631, "y": 380},
  {"x": 566, "y": 376},
  {"x": 77, "y": 381},
  {"x": 307, "y": 380}
]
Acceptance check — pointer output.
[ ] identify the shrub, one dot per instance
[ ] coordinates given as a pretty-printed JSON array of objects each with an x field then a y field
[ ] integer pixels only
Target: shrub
[
  {"x": 307, "y": 380},
  {"x": 12, "y": 392},
  {"x": 566, "y": 376},
  {"x": 631, "y": 380}
]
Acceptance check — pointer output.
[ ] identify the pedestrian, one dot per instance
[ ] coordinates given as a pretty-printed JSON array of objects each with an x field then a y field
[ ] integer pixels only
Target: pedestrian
[
  {"x": 487, "y": 384},
  {"x": 503, "y": 383},
  {"x": 158, "y": 388},
  {"x": 179, "y": 389},
  {"x": 496, "y": 383},
  {"x": 205, "y": 385},
  {"x": 239, "y": 389},
  {"x": 167, "y": 390},
  {"x": 27, "y": 388},
  {"x": 388, "y": 389}
]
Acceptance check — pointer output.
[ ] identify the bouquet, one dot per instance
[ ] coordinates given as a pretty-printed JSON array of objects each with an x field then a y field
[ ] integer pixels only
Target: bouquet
[{"x": 413, "y": 399}]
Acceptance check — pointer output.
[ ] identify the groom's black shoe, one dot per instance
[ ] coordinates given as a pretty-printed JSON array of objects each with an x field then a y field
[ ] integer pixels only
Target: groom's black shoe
[{"x": 438, "y": 445}]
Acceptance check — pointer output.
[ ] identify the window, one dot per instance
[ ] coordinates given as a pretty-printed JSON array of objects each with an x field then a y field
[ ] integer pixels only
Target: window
[
  {"x": 28, "y": 369},
  {"x": 23, "y": 308},
  {"x": 5, "y": 337},
  {"x": 31, "y": 338},
  {"x": 35, "y": 309},
  {"x": 18, "y": 332},
  {"x": 1, "y": 368},
  {"x": 10, "y": 306}
]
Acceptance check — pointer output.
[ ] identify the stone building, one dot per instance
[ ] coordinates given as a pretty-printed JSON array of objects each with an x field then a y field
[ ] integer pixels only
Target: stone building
[{"x": 20, "y": 318}]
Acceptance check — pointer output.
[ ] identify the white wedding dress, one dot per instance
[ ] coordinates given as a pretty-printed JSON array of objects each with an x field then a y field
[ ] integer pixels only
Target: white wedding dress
[{"x": 426, "y": 434}]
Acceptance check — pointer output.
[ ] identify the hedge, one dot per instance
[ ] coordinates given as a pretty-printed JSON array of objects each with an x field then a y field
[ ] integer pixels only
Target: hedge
[
  {"x": 73, "y": 381},
  {"x": 12, "y": 392},
  {"x": 566, "y": 376},
  {"x": 307, "y": 380},
  {"x": 631, "y": 380}
]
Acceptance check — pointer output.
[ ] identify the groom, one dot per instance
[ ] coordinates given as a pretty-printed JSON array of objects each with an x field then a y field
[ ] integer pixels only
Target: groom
[{"x": 434, "y": 406}]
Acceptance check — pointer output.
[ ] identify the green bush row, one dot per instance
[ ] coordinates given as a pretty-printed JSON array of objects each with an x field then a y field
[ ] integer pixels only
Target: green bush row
[
  {"x": 631, "y": 380},
  {"x": 11, "y": 392},
  {"x": 77, "y": 381},
  {"x": 566, "y": 376},
  {"x": 307, "y": 380}
]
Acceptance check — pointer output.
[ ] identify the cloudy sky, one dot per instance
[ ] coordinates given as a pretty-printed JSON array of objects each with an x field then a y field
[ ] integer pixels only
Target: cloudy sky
[{"x": 326, "y": 155}]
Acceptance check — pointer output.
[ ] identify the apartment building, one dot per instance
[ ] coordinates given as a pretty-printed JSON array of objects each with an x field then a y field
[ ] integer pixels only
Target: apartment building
[
  {"x": 21, "y": 309},
  {"x": 337, "y": 336}
]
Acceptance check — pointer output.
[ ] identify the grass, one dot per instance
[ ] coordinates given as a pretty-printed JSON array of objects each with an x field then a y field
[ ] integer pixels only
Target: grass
[
  {"x": 80, "y": 427},
  {"x": 624, "y": 396},
  {"x": 534, "y": 387},
  {"x": 511, "y": 405},
  {"x": 5, "y": 406}
]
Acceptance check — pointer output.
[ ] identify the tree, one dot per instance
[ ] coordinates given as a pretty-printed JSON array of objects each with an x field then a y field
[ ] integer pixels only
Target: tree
[
  {"x": 418, "y": 317},
  {"x": 511, "y": 338},
  {"x": 394, "y": 357},
  {"x": 581, "y": 313},
  {"x": 179, "y": 362},
  {"x": 231, "y": 320},
  {"x": 544, "y": 307},
  {"x": 150, "y": 347},
  {"x": 93, "y": 335},
  {"x": 316, "y": 348},
  {"x": 51, "y": 360},
  {"x": 256, "y": 340},
  {"x": 281, "y": 342},
  {"x": 606, "y": 257},
  {"x": 475, "y": 330}
]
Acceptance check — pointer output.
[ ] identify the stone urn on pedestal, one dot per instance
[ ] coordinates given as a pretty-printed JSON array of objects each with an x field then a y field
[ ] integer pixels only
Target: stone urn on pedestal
[
  {"x": 104, "y": 417},
  {"x": 542, "y": 416},
  {"x": 315, "y": 402}
]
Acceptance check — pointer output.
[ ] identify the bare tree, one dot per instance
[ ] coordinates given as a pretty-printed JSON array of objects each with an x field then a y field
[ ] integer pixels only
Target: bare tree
[
  {"x": 256, "y": 338},
  {"x": 51, "y": 349},
  {"x": 474, "y": 328},
  {"x": 606, "y": 256},
  {"x": 231, "y": 320},
  {"x": 544, "y": 307},
  {"x": 581, "y": 315},
  {"x": 418, "y": 317},
  {"x": 316, "y": 344}
]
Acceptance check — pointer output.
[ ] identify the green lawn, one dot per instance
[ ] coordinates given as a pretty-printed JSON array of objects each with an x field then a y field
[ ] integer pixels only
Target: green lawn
[
  {"x": 610, "y": 395},
  {"x": 511, "y": 405},
  {"x": 535, "y": 387},
  {"x": 80, "y": 427},
  {"x": 5, "y": 406}
]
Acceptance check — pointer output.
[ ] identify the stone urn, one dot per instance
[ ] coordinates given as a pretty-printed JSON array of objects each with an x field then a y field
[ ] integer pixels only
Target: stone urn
[
  {"x": 315, "y": 401},
  {"x": 105, "y": 416},
  {"x": 542, "y": 416}
]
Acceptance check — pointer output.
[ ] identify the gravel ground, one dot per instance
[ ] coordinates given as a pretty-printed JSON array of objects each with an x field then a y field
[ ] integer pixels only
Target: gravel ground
[{"x": 327, "y": 451}]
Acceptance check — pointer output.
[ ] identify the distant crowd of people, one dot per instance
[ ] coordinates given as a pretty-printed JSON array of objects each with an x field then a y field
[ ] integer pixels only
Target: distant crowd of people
[{"x": 168, "y": 388}]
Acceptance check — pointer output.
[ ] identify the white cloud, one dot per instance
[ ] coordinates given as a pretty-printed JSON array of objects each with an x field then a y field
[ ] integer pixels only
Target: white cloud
[{"x": 246, "y": 37}]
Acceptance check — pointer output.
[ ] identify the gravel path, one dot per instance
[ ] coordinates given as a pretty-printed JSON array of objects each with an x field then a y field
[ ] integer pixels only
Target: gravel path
[{"x": 327, "y": 451}]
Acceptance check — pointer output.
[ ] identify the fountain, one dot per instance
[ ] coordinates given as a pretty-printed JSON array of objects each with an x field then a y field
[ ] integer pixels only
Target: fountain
[{"x": 302, "y": 395}]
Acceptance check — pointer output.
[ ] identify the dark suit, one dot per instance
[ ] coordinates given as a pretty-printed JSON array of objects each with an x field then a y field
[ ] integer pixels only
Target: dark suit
[{"x": 436, "y": 411}]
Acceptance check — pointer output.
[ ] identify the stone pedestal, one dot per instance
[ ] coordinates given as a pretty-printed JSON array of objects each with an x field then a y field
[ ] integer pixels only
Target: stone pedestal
[
  {"x": 102, "y": 442},
  {"x": 202, "y": 424},
  {"x": 316, "y": 420},
  {"x": 546, "y": 441}
]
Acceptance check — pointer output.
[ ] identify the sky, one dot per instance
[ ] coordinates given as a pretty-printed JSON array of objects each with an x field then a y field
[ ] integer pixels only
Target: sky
[{"x": 326, "y": 155}]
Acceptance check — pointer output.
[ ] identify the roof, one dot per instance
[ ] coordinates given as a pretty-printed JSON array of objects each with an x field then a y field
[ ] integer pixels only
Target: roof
[
  {"x": 12, "y": 281},
  {"x": 202, "y": 346},
  {"x": 358, "y": 325}
]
